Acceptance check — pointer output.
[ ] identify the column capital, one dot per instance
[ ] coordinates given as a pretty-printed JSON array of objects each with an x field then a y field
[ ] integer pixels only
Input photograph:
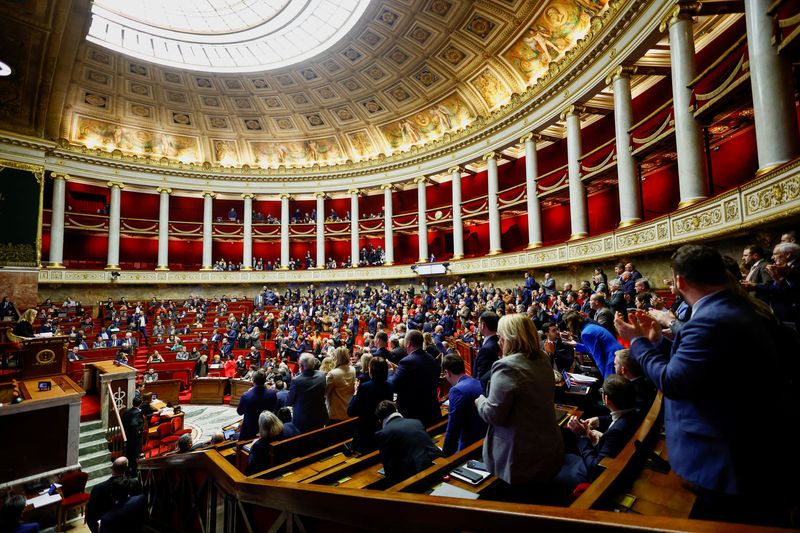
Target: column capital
[
  {"x": 113, "y": 184},
  {"x": 530, "y": 136},
  {"x": 453, "y": 170},
  {"x": 420, "y": 179},
  {"x": 621, "y": 71},
  {"x": 247, "y": 195},
  {"x": 164, "y": 189},
  {"x": 387, "y": 187},
  {"x": 490, "y": 155},
  {"x": 286, "y": 196},
  {"x": 60, "y": 176},
  {"x": 574, "y": 109},
  {"x": 320, "y": 195},
  {"x": 209, "y": 193},
  {"x": 353, "y": 192},
  {"x": 681, "y": 11}
]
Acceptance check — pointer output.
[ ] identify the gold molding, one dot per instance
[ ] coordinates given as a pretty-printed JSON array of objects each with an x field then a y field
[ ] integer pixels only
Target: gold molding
[
  {"x": 164, "y": 189},
  {"x": 621, "y": 71},
  {"x": 112, "y": 184},
  {"x": 495, "y": 252},
  {"x": 162, "y": 268},
  {"x": 628, "y": 223},
  {"x": 56, "y": 266},
  {"x": 112, "y": 267},
  {"x": 767, "y": 169},
  {"x": 453, "y": 170},
  {"x": 490, "y": 155},
  {"x": 247, "y": 195},
  {"x": 209, "y": 193},
  {"x": 534, "y": 245},
  {"x": 578, "y": 236},
  {"x": 681, "y": 11},
  {"x": 687, "y": 203},
  {"x": 38, "y": 175},
  {"x": 60, "y": 176},
  {"x": 527, "y": 137}
]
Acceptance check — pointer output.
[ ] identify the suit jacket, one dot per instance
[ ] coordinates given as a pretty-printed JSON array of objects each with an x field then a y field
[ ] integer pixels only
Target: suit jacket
[
  {"x": 759, "y": 274},
  {"x": 251, "y": 404},
  {"x": 523, "y": 443},
  {"x": 584, "y": 467},
  {"x": 363, "y": 404},
  {"x": 307, "y": 398},
  {"x": 464, "y": 426},
  {"x": 101, "y": 501},
  {"x": 405, "y": 448},
  {"x": 717, "y": 436},
  {"x": 605, "y": 318},
  {"x": 488, "y": 353},
  {"x": 601, "y": 345},
  {"x": 416, "y": 381},
  {"x": 127, "y": 516}
]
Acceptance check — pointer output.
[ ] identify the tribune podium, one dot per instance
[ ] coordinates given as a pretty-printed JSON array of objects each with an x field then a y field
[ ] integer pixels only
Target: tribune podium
[
  {"x": 98, "y": 376},
  {"x": 209, "y": 391}
]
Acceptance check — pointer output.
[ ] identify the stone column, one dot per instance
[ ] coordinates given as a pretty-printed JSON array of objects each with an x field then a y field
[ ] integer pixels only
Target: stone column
[
  {"x": 688, "y": 132},
  {"x": 495, "y": 246},
  {"x": 630, "y": 203},
  {"x": 113, "y": 226},
  {"x": 458, "y": 223},
  {"x": 422, "y": 218},
  {"x": 247, "y": 245},
  {"x": 773, "y": 93},
  {"x": 532, "y": 192},
  {"x": 57, "y": 220},
  {"x": 208, "y": 221},
  {"x": 163, "y": 228},
  {"x": 388, "y": 231},
  {"x": 577, "y": 193},
  {"x": 320, "y": 229},
  {"x": 354, "y": 244},
  {"x": 285, "y": 231}
]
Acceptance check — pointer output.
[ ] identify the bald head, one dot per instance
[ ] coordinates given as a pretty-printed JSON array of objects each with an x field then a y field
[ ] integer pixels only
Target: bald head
[{"x": 119, "y": 466}]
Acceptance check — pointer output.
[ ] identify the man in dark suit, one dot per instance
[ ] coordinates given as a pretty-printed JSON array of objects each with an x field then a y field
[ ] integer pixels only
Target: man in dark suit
[
  {"x": 257, "y": 399},
  {"x": 755, "y": 260},
  {"x": 379, "y": 346},
  {"x": 464, "y": 425},
  {"x": 415, "y": 381},
  {"x": 490, "y": 349},
  {"x": 363, "y": 404},
  {"x": 101, "y": 501},
  {"x": 307, "y": 396},
  {"x": 133, "y": 422},
  {"x": 405, "y": 447},
  {"x": 581, "y": 462},
  {"x": 128, "y": 512},
  {"x": 716, "y": 435}
]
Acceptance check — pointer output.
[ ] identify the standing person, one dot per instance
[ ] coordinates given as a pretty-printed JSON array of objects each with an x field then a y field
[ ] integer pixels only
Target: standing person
[
  {"x": 523, "y": 446},
  {"x": 490, "y": 349},
  {"x": 464, "y": 426},
  {"x": 133, "y": 422},
  {"x": 142, "y": 327},
  {"x": 253, "y": 402},
  {"x": 595, "y": 340},
  {"x": 307, "y": 396},
  {"x": 370, "y": 393},
  {"x": 741, "y": 471},
  {"x": 341, "y": 385},
  {"x": 416, "y": 380}
]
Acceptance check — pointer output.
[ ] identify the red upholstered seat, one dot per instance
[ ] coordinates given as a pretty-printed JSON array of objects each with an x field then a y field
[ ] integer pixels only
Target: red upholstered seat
[{"x": 73, "y": 495}]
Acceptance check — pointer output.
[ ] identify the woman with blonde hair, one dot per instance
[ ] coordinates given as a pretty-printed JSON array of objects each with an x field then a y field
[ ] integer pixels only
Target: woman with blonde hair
[
  {"x": 24, "y": 327},
  {"x": 270, "y": 428},
  {"x": 523, "y": 446},
  {"x": 341, "y": 385}
]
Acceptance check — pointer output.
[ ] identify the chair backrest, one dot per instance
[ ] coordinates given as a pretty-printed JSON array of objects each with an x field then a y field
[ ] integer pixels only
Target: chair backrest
[
  {"x": 73, "y": 483},
  {"x": 177, "y": 424},
  {"x": 164, "y": 430}
]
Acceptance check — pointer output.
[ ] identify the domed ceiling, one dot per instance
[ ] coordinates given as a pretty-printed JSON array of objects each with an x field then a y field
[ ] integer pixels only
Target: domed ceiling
[{"x": 408, "y": 72}]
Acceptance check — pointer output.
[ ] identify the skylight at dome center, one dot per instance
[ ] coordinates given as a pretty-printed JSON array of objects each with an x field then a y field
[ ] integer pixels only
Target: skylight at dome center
[{"x": 223, "y": 35}]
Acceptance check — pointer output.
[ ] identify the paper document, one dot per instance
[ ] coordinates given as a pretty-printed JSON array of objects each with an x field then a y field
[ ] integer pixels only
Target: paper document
[
  {"x": 451, "y": 491},
  {"x": 44, "y": 499},
  {"x": 581, "y": 378}
]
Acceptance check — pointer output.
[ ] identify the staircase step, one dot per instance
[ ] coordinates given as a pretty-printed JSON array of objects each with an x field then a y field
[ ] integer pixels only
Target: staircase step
[
  {"x": 92, "y": 435},
  {"x": 101, "y": 457},
  {"x": 87, "y": 448},
  {"x": 97, "y": 472},
  {"x": 89, "y": 426}
]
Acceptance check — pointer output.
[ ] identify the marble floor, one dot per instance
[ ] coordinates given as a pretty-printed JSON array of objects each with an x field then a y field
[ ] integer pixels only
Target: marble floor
[{"x": 204, "y": 420}]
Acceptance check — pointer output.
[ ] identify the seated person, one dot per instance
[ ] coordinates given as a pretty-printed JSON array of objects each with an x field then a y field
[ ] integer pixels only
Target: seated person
[
  {"x": 270, "y": 428},
  {"x": 98, "y": 343},
  {"x": 24, "y": 327},
  {"x": 128, "y": 512},
  {"x": 182, "y": 355},
  {"x": 405, "y": 447},
  {"x": 586, "y": 447},
  {"x": 11, "y": 516},
  {"x": 151, "y": 375},
  {"x": 217, "y": 438},
  {"x": 201, "y": 367},
  {"x": 216, "y": 363},
  {"x": 155, "y": 357},
  {"x": 72, "y": 355},
  {"x": 289, "y": 429}
]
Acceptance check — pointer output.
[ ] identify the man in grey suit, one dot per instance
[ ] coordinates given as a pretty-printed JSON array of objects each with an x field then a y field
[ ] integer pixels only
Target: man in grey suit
[{"x": 307, "y": 396}]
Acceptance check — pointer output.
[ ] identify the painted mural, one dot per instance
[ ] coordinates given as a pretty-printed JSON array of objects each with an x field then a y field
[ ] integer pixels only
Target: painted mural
[
  {"x": 493, "y": 91},
  {"x": 446, "y": 115},
  {"x": 324, "y": 150},
  {"x": 110, "y": 136},
  {"x": 362, "y": 144},
  {"x": 561, "y": 24}
]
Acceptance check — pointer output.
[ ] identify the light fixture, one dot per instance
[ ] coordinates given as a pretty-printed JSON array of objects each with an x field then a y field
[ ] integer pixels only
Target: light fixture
[{"x": 5, "y": 69}]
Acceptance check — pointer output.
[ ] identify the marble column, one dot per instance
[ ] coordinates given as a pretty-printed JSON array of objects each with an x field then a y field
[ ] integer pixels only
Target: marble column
[
  {"x": 773, "y": 93},
  {"x": 57, "y": 220},
  {"x": 354, "y": 237},
  {"x": 692, "y": 181},
  {"x": 163, "y": 228},
  {"x": 458, "y": 223},
  {"x": 113, "y": 226},
  {"x": 320, "y": 229},
  {"x": 422, "y": 218},
  {"x": 578, "y": 214},
  {"x": 247, "y": 245},
  {"x": 532, "y": 192},
  {"x": 388, "y": 230},
  {"x": 285, "y": 231},
  {"x": 208, "y": 221},
  {"x": 495, "y": 246},
  {"x": 628, "y": 185}
]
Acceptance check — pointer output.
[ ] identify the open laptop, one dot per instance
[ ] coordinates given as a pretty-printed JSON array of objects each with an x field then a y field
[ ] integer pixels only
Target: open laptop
[{"x": 571, "y": 388}]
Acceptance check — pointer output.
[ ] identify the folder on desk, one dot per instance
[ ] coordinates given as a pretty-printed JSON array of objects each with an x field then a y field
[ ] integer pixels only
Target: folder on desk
[{"x": 451, "y": 491}]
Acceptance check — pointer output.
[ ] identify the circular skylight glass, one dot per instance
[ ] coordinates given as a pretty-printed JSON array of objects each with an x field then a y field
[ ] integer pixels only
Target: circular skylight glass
[{"x": 223, "y": 35}]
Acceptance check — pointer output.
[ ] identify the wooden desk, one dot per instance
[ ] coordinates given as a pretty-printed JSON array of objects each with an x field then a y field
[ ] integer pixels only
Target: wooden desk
[
  {"x": 209, "y": 391},
  {"x": 239, "y": 387},
  {"x": 167, "y": 390}
]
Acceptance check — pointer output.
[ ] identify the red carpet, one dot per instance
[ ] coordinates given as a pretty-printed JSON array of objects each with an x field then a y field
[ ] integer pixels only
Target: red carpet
[{"x": 90, "y": 407}]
